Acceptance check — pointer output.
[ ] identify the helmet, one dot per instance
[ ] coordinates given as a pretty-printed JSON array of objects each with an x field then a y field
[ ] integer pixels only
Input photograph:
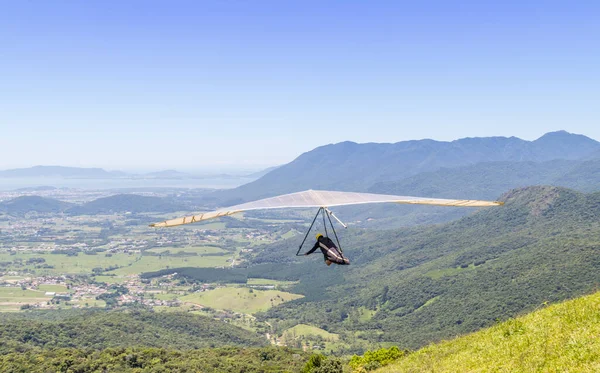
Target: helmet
[{"x": 319, "y": 235}]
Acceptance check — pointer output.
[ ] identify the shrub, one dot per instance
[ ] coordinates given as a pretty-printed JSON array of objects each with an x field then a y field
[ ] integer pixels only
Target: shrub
[{"x": 375, "y": 359}]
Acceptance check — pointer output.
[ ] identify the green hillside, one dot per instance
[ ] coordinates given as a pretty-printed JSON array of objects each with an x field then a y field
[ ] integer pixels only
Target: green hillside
[
  {"x": 109, "y": 329},
  {"x": 414, "y": 286},
  {"x": 559, "y": 338},
  {"x": 486, "y": 180},
  {"x": 25, "y": 204},
  {"x": 135, "y": 341},
  {"x": 491, "y": 179},
  {"x": 126, "y": 203}
]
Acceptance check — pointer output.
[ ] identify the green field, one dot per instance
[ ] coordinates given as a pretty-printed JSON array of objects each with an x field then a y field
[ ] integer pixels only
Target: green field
[
  {"x": 290, "y": 234},
  {"x": 12, "y": 278},
  {"x": 200, "y": 250},
  {"x": 131, "y": 263},
  {"x": 155, "y": 263},
  {"x": 364, "y": 314},
  {"x": 303, "y": 330},
  {"x": 64, "y": 264},
  {"x": 240, "y": 299},
  {"x": 53, "y": 288},
  {"x": 266, "y": 281},
  {"x": 559, "y": 338},
  {"x": 166, "y": 296},
  {"x": 215, "y": 226},
  {"x": 111, "y": 279},
  {"x": 12, "y": 298}
]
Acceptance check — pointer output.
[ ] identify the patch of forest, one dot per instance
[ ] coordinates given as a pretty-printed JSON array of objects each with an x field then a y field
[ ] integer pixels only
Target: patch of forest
[
  {"x": 100, "y": 329},
  {"x": 150, "y": 359}
]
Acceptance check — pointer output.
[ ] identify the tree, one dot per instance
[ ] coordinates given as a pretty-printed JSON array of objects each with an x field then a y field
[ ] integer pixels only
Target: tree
[{"x": 330, "y": 365}]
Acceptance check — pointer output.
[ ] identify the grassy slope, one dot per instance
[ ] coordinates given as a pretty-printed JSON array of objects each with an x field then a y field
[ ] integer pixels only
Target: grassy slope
[
  {"x": 560, "y": 338},
  {"x": 200, "y": 250}
]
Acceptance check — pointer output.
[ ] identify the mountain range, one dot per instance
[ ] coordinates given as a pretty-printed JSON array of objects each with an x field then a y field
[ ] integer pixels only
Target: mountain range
[
  {"x": 336, "y": 166},
  {"x": 490, "y": 179}
]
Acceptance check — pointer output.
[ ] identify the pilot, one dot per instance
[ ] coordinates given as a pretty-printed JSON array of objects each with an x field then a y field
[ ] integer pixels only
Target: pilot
[{"x": 331, "y": 253}]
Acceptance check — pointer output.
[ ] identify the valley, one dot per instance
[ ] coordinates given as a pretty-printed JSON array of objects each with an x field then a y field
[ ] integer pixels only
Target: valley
[{"x": 65, "y": 254}]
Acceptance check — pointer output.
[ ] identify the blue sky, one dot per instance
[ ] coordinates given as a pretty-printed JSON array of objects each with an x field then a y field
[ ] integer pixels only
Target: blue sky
[{"x": 246, "y": 84}]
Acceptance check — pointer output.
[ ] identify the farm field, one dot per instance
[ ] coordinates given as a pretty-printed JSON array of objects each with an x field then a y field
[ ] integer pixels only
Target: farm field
[
  {"x": 53, "y": 288},
  {"x": 155, "y": 263},
  {"x": 13, "y": 279},
  {"x": 290, "y": 234},
  {"x": 200, "y": 250},
  {"x": 302, "y": 330},
  {"x": 12, "y": 298},
  {"x": 240, "y": 299},
  {"x": 112, "y": 279},
  {"x": 64, "y": 264},
  {"x": 266, "y": 281}
]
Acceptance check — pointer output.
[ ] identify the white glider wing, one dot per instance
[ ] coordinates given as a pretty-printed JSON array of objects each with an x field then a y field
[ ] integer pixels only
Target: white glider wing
[{"x": 322, "y": 198}]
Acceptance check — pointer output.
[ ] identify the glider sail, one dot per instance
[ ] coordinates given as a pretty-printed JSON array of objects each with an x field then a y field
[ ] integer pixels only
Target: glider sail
[{"x": 322, "y": 198}]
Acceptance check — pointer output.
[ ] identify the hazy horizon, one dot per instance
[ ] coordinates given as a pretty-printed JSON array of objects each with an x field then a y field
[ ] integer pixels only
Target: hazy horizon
[
  {"x": 239, "y": 169},
  {"x": 232, "y": 169}
]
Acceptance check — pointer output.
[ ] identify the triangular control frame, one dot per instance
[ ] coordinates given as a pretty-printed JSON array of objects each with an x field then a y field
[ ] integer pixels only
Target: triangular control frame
[{"x": 324, "y": 212}]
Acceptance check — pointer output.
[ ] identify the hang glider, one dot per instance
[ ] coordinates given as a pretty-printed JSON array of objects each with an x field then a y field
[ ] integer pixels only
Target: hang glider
[{"x": 323, "y": 200}]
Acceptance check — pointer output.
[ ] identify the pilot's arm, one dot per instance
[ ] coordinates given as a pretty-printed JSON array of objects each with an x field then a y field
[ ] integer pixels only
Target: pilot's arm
[{"x": 313, "y": 248}]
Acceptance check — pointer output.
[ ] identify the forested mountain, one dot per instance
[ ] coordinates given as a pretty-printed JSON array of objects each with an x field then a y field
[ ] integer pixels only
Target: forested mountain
[
  {"x": 487, "y": 180},
  {"x": 412, "y": 286},
  {"x": 25, "y": 204},
  {"x": 126, "y": 203},
  {"x": 595, "y": 155},
  {"x": 336, "y": 166},
  {"x": 490, "y": 179}
]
